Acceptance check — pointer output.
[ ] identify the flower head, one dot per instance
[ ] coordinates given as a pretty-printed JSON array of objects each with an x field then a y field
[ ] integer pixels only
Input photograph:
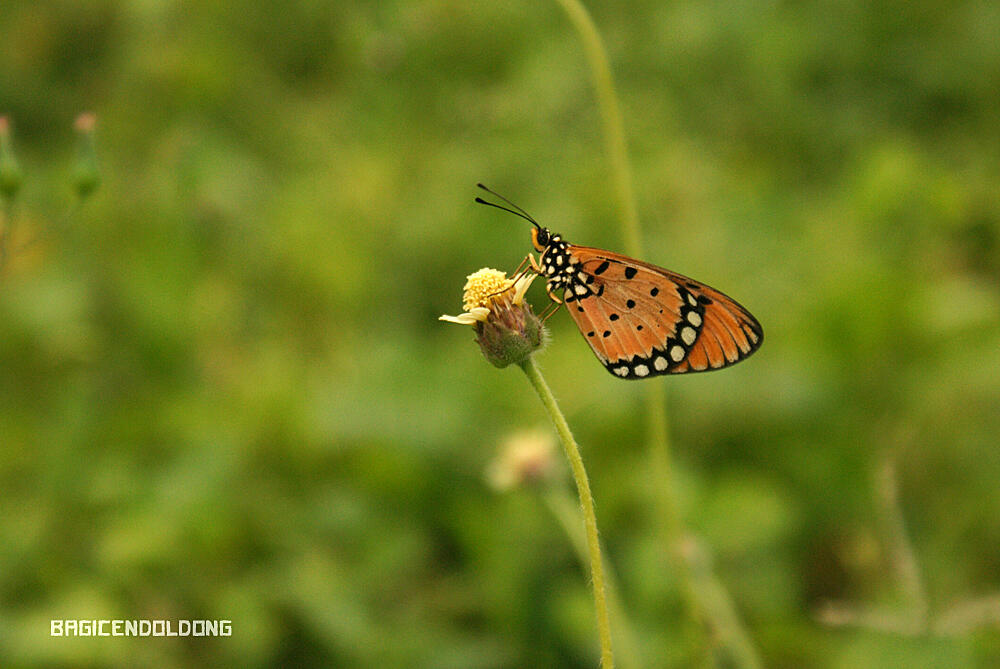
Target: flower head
[{"x": 507, "y": 329}]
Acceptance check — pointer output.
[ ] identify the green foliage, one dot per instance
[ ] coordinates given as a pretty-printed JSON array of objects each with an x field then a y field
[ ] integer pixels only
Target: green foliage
[{"x": 225, "y": 392}]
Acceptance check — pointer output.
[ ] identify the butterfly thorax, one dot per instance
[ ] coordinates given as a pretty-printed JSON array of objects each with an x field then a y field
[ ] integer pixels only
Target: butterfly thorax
[{"x": 563, "y": 272}]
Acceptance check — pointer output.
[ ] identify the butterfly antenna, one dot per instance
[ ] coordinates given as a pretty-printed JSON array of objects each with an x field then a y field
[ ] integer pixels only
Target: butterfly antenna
[{"x": 517, "y": 211}]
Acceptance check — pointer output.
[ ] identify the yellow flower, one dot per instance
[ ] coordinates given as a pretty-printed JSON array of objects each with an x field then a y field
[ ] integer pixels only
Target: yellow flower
[
  {"x": 507, "y": 330},
  {"x": 487, "y": 290}
]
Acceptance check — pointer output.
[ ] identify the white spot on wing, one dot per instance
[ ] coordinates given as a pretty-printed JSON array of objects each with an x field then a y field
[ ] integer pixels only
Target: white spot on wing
[
  {"x": 641, "y": 370},
  {"x": 621, "y": 371},
  {"x": 677, "y": 353},
  {"x": 660, "y": 363},
  {"x": 694, "y": 318},
  {"x": 688, "y": 335},
  {"x": 580, "y": 290}
]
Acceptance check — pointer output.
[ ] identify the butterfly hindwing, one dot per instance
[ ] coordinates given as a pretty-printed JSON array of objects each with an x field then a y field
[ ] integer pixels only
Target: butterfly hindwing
[{"x": 642, "y": 320}]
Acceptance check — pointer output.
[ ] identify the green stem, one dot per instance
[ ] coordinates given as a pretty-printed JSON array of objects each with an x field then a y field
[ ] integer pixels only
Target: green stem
[
  {"x": 6, "y": 227},
  {"x": 661, "y": 465},
  {"x": 614, "y": 140},
  {"x": 903, "y": 557},
  {"x": 734, "y": 647},
  {"x": 561, "y": 504},
  {"x": 712, "y": 601},
  {"x": 586, "y": 505},
  {"x": 611, "y": 118}
]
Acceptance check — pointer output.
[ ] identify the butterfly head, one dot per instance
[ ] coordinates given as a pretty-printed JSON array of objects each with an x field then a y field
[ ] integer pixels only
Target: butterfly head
[
  {"x": 541, "y": 238},
  {"x": 553, "y": 249}
]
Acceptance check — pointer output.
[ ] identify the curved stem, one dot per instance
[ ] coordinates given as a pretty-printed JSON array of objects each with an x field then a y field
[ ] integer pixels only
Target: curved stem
[
  {"x": 586, "y": 505},
  {"x": 560, "y": 503}
]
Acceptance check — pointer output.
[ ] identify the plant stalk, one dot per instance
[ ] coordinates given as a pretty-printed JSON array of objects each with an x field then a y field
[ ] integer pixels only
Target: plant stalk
[
  {"x": 561, "y": 504},
  {"x": 586, "y": 506}
]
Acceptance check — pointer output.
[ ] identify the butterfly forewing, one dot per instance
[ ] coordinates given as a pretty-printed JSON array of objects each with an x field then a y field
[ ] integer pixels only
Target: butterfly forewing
[{"x": 642, "y": 320}]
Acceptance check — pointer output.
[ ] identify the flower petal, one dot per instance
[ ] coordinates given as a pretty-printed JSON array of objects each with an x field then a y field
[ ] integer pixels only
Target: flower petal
[
  {"x": 479, "y": 313},
  {"x": 521, "y": 286},
  {"x": 461, "y": 319},
  {"x": 470, "y": 317}
]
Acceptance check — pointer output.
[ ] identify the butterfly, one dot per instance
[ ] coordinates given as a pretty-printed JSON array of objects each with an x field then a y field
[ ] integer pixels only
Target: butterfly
[{"x": 639, "y": 319}]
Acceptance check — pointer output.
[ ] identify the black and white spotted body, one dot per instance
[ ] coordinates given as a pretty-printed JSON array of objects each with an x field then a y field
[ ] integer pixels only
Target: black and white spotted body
[{"x": 563, "y": 273}]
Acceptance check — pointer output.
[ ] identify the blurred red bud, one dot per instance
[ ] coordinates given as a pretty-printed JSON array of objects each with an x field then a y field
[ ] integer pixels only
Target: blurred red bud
[{"x": 86, "y": 176}]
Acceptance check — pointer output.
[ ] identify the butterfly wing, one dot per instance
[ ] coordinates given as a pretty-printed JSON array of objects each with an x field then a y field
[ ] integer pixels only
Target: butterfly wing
[{"x": 642, "y": 320}]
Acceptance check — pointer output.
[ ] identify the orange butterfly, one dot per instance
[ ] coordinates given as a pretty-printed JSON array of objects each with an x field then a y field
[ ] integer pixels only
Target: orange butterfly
[{"x": 639, "y": 319}]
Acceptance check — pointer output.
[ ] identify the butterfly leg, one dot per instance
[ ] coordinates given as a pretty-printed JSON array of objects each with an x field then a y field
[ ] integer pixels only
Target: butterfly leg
[
  {"x": 520, "y": 271},
  {"x": 549, "y": 310},
  {"x": 532, "y": 266},
  {"x": 535, "y": 267}
]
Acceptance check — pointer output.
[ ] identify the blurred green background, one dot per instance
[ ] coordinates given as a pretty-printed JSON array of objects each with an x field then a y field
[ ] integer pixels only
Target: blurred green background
[{"x": 224, "y": 391}]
